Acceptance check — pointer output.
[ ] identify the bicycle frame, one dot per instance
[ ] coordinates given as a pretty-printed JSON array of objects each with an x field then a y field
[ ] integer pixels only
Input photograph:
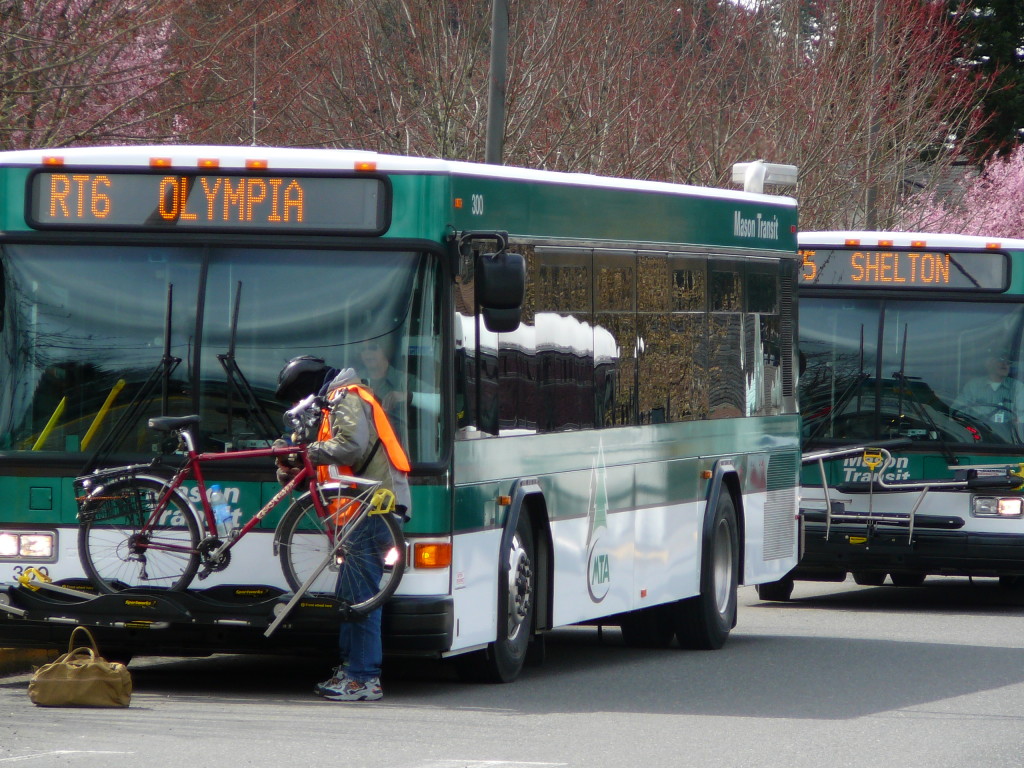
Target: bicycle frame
[
  {"x": 192, "y": 469},
  {"x": 151, "y": 501}
]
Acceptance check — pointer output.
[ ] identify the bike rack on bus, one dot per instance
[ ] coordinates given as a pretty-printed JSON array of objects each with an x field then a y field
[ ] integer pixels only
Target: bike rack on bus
[{"x": 876, "y": 459}]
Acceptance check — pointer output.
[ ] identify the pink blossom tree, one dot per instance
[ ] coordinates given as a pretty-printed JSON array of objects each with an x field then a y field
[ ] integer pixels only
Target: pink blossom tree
[
  {"x": 73, "y": 71},
  {"x": 989, "y": 202}
]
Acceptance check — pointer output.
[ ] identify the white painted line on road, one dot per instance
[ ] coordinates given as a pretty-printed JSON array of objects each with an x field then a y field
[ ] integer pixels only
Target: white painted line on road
[
  {"x": 62, "y": 752},
  {"x": 485, "y": 764}
]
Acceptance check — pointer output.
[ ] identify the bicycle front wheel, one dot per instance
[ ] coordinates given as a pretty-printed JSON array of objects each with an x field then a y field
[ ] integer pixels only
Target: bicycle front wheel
[
  {"x": 120, "y": 547},
  {"x": 368, "y": 561}
]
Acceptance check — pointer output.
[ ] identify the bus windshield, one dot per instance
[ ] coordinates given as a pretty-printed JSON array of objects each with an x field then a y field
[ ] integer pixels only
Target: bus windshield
[
  {"x": 95, "y": 339},
  {"x": 875, "y": 369}
]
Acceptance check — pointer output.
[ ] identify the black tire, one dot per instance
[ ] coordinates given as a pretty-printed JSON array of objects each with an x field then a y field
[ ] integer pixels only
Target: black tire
[
  {"x": 652, "y": 627},
  {"x": 868, "y": 578},
  {"x": 502, "y": 660},
  {"x": 117, "y": 554},
  {"x": 704, "y": 622},
  {"x": 305, "y": 539},
  {"x": 907, "y": 578},
  {"x": 776, "y": 591}
]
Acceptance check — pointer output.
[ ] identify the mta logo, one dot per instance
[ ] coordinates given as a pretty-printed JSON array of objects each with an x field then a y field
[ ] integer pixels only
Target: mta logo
[{"x": 600, "y": 572}]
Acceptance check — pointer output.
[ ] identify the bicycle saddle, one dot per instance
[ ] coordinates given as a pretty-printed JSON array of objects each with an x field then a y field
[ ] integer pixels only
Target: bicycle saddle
[{"x": 169, "y": 423}]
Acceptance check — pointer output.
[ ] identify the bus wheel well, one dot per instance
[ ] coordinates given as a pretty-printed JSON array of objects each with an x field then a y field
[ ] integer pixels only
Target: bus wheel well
[
  {"x": 731, "y": 483},
  {"x": 536, "y": 509}
]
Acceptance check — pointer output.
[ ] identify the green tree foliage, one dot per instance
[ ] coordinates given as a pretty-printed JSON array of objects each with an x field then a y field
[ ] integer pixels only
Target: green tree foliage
[{"x": 995, "y": 29}]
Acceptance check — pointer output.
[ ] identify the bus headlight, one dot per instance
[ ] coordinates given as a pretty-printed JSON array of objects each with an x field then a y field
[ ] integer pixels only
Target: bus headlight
[
  {"x": 994, "y": 506},
  {"x": 8, "y": 545},
  {"x": 28, "y": 545}
]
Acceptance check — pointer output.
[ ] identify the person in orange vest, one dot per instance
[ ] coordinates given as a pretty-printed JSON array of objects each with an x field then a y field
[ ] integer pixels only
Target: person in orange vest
[{"x": 355, "y": 438}]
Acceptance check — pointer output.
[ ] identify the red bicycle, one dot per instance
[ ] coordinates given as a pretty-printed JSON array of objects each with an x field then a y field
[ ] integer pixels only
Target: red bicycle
[{"x": 138, "y": 529}]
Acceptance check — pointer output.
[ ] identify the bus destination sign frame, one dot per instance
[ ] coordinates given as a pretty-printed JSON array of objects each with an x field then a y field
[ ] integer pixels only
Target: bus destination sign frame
[
  {"x": 218, "y": 201},
  {"x": 917, "y": 269}
]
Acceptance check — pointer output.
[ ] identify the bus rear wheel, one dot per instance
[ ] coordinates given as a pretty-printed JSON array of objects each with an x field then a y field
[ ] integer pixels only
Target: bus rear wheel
[
  {"x": 652, "y": 627},
  {"x": 776, "y": 591},
  {"x": 704, "y": 622},
  {"x": 868, "y": 578},
  {"x": 907, "y": 578},
  {"x": 502, "y": 660}
]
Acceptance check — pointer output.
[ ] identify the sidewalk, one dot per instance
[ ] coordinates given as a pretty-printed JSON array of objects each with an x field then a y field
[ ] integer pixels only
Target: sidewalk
[{"x": 20, "y": 661}]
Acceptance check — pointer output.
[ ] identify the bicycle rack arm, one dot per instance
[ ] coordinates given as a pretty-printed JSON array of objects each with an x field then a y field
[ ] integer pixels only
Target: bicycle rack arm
[
  {"x": 8, "y": 608},
  {"x": 287, "y": 608},
  {"x": 819, "y": 458}
]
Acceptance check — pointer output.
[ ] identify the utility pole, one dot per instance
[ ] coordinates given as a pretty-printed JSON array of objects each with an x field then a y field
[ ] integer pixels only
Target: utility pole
[
  {"x": 496, "y": 92},
  {"x": 871, "y": 192}
]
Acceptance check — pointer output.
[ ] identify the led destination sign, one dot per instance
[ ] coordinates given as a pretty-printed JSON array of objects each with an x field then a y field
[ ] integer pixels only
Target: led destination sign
[
  {"x": 914, "y": 269},
  {"x": 120, "y": 200}
]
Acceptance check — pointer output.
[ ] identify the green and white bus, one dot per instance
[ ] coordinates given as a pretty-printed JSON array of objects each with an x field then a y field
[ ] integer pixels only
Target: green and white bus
[
  {"x": 619, "y": 444},
  {"x": 911, "y": 340}
]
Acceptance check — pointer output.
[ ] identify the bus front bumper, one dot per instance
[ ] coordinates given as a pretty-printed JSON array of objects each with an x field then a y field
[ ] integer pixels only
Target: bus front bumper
[
  {"x": 939, "y": 550},
  {"x": 203, "y": 622}
]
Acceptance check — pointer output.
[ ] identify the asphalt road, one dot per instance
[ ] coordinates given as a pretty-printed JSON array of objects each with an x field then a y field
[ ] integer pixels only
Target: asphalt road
[{"x": 840, "y": 676}]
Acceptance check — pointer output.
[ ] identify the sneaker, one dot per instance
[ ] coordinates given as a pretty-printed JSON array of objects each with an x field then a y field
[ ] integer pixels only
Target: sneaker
[
  {"x": 356, "y": 690},
  {"x": 333, "y": 684}
]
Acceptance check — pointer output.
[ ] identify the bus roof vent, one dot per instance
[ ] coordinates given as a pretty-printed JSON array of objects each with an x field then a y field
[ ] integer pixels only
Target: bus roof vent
[{"x": 753, "y": 176}]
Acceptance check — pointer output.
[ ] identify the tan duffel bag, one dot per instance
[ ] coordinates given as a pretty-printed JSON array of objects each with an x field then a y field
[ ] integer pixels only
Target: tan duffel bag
[{"x": 81, "y": 678}]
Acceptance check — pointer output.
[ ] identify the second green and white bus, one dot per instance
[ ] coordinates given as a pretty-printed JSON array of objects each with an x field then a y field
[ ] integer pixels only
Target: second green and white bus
[
  {"x": 915, "y": 341},
  {"x": 619, "y": 444}
]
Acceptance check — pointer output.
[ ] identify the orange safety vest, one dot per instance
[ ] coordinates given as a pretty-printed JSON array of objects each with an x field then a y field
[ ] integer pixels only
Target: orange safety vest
[{"x": 341, "y": 509}]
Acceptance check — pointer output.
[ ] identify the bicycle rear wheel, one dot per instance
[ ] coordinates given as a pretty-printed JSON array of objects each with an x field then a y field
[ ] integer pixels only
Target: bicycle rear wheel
[
  {"x": 369, "y": 561},
  {"x": 118, "y": 552}
]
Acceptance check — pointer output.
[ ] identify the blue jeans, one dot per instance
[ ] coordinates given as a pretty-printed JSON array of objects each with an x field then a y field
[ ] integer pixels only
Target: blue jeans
[{"x": 359, "y": 642}]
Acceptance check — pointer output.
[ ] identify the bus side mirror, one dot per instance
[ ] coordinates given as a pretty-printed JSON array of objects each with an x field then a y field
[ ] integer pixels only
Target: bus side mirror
[{"x": 500, "y": 289}]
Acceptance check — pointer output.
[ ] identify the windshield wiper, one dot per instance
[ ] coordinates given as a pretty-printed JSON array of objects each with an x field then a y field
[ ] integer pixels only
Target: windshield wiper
[
  {"x": 161, "y": 375},
  {"x": 254, "y": 411},
  {"x": 903, "y": 384}
]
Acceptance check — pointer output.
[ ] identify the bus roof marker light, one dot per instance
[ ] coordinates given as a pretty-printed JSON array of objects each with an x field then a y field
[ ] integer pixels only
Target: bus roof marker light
[
  {"x": 366, "y": 165},
  {"x": 852, "y": 241},
  {"x": 885, "y": 243},
  {"x": 208, "y": 162},
  {"x": 753, "y": 176},
  {"x": 993, "y": 246},
  {"x": 53, "y": 160},
  {"x": 255, "y": 165},
  {"x": 160, "y": 162},
  {"x": 918, "y": 244}
]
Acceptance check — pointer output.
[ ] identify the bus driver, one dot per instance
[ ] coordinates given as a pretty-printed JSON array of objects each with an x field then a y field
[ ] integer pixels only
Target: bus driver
[{"x": 996, "y": 398}]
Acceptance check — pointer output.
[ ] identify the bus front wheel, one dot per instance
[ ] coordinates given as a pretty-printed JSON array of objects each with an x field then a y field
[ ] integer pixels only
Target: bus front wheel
[
  {"x": 502, "y": 660},
  {"x": 703, "y": 622}
]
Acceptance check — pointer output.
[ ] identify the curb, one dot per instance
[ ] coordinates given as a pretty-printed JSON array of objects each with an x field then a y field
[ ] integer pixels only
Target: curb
[{"x": 19, "y": 661}]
